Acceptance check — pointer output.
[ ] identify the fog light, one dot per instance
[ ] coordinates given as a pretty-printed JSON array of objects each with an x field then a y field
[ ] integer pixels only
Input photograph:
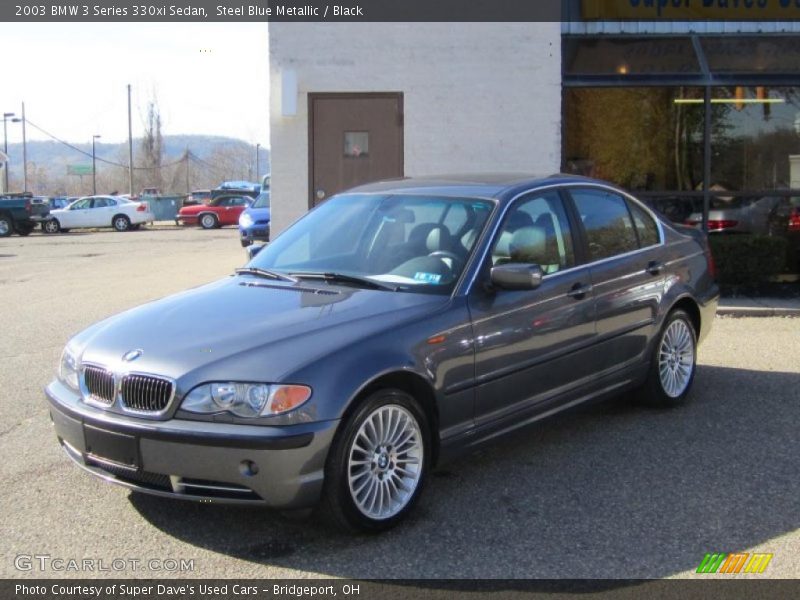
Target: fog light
[{"x": 248, "y": 468}]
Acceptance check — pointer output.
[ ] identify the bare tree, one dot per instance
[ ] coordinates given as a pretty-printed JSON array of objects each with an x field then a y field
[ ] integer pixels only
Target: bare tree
[{"x": 152, "y": 147}]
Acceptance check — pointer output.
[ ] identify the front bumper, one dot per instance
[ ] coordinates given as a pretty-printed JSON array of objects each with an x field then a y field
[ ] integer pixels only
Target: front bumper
[
  {"x": 280, "y": 467},
  {"x": 254, "y": 233}
]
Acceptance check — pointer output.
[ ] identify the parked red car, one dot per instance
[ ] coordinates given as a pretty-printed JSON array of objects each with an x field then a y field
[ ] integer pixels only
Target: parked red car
[{"x": 223, "y": 210}]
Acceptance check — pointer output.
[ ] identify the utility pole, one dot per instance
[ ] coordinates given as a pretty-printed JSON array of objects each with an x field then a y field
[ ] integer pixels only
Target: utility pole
[
  {"x": 186, "y": 158},
  {"x": 130, "y": 145},
  {"x": 258, "y": 165},
  {"x": 94, "y": 169},
  {"x": 5, "y": 146},
  {"x": 24, "y": 153}
]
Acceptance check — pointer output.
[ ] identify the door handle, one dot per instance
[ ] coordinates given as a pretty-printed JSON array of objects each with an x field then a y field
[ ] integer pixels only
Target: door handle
[
  {"x": 579, "y": 291},
  {"x": 654, "y": 267}
]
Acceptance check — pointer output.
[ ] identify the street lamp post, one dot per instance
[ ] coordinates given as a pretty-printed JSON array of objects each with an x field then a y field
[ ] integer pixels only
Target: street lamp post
[
  {"x": 258, "y": 166},
  {"x": 94, "y": 163},
  {"x": 5, "y": 144}
]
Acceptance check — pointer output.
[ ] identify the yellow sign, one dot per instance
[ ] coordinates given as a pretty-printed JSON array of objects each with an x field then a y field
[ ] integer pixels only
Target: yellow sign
[{"x": 691, "y": 10}]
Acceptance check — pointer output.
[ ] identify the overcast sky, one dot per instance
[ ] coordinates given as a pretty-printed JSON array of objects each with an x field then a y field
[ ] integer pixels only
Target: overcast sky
[{"x": 208, "y": 78}]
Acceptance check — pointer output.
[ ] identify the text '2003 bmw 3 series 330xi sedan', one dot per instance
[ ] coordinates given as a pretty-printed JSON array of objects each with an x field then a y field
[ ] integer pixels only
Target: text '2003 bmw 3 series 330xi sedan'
[{"x": 392, "y": 327}]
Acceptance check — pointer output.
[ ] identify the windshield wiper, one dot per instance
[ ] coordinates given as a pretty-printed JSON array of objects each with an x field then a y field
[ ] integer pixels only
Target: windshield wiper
[
  {"x": 266, "y": 273},
  {"x": 342, "y": 278}
]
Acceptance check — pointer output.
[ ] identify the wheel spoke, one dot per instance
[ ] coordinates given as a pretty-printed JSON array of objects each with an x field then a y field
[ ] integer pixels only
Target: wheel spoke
[
  {"x": 676, "y": 358},
  {"x": 384, "y": 462}
]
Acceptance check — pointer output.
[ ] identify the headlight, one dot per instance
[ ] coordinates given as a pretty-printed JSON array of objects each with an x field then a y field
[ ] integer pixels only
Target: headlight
[
  {"x": 68, "y": 369},
  {"x": 245, "y": 399},
  {"x": 245, "y": 220}
]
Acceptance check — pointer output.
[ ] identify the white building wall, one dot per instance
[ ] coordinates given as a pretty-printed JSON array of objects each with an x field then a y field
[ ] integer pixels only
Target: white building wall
[{"x": 477, "y": 97}]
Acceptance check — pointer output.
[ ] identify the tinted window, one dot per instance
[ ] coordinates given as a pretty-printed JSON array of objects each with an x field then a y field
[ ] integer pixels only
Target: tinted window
[
  {"x": 645, "y": 226},
  {"x": 536, "y": 231},
  {"x": 608, "y": 225}
]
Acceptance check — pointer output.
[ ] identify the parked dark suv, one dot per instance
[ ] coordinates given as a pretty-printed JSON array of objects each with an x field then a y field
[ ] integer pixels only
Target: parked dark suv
[{"x": 389, "y": 329}]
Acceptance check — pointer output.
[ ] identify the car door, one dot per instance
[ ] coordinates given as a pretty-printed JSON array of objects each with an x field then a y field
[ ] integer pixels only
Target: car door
[
  {"x": 77, "y": 215},
  {"x": 101, "y": 212},
  {"x": 237, "y": 206},
  {"x": 224, "y": 208},
  {"x": 624, "y": 249},
  {"x": 531, "y": 345}
]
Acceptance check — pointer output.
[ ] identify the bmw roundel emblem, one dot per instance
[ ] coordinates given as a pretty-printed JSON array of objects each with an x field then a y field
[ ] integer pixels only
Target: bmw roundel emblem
[{"x": 132, "y": 355}]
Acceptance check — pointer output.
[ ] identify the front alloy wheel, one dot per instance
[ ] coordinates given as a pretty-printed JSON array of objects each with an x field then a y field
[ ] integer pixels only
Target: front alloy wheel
[
  {"x": 378, "y": 463},
  {"x": 51, "y": 226},
  {"x": 385, "y": 462}
]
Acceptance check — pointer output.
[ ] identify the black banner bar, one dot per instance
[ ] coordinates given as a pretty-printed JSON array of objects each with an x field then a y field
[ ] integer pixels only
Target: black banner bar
[
  {"x": 396, "y": 10},
  {"x": 279, "y": 10},
  {"x": 424, "y": 589}
]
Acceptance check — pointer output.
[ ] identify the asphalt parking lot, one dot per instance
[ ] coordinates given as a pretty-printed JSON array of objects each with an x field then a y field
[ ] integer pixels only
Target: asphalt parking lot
[{"x": 607, "y": 491}]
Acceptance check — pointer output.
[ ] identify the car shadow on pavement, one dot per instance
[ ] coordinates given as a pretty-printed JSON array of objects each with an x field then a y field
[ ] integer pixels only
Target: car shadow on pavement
[{"x": 610, "y": 490}]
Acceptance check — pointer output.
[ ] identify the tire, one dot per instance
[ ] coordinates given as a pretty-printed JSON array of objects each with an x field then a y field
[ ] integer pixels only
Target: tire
[
  {"x": 673, "y": 363},
  {"x": 136, "y": 227},
  {"x": 245, "y": 243},
  {"x": 51, "y": 226},
  {"x": 6, "y": 226},
  {"x": 361, "y": 475},
  {"x": 209, "y": 221},
  {"x": 121, "y": 223},
  {"x": 25, "y": 230}
]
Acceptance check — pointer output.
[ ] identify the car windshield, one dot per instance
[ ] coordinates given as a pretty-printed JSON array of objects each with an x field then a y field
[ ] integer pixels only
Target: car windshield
[
  {"x": 262, "y": 201},
  {"x": 407, "y": 242}
]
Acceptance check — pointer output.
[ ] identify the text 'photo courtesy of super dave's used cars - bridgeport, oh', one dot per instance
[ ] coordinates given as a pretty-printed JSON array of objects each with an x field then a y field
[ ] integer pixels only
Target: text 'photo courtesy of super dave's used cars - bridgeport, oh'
[{"x": 455, "y": 309}]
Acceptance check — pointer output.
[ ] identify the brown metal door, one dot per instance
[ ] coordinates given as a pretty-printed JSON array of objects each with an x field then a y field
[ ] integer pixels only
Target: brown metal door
[{"x": 353, "y": 139}]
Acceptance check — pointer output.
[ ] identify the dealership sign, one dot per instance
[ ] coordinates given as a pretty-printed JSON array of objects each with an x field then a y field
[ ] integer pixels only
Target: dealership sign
[{"x": 688, "y": 10}]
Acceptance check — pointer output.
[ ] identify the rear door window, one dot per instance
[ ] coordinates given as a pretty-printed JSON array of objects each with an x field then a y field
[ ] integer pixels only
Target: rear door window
[{"x": 609, "y": 228}]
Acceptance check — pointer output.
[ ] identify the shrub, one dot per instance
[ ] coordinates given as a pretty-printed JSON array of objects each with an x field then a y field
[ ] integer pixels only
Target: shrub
[{"x": 745, "y": 261}]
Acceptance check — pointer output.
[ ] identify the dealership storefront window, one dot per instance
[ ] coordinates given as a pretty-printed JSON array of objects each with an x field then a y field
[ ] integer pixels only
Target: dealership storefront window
[{"x": 706, "y": 129}]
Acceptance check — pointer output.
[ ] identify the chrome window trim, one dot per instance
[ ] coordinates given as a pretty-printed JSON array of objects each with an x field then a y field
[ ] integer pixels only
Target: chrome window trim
[{"x": 558, "y": 186}]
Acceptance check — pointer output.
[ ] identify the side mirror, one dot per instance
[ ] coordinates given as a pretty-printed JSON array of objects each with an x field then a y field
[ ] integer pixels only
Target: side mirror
[
  {"x": 517, "y": 276},
  {"x": 253, "y": 250}
]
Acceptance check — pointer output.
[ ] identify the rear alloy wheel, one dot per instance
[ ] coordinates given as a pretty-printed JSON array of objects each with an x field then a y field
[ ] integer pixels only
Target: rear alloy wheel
[
  {"x": 121, "y": 223},
  {"x": 378, "y": 463},
  {"x": 674, "y": 363},
  {"x": 6, "y": 226},
  {"x": 208, "y": 221}
]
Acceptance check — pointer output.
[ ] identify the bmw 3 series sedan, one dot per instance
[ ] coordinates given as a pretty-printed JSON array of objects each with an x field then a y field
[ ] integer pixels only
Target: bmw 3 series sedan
[{"x": 391, "y": 328}]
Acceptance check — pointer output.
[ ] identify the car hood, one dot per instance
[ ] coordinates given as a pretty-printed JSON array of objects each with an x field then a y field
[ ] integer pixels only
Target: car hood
[
  {"x": 231, "y": 327},
  {"x": 258, "y": 214}
]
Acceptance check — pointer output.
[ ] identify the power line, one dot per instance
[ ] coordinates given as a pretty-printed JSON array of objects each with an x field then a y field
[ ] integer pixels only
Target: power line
[{"x": 103, "y": 160}]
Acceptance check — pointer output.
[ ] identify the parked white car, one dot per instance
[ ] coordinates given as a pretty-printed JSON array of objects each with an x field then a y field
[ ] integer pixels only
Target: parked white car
[{"x": 99, "y": 211}]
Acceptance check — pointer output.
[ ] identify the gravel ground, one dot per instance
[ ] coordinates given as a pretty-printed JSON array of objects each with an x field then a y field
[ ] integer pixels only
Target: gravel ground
[{"x": 611, "y": 490}]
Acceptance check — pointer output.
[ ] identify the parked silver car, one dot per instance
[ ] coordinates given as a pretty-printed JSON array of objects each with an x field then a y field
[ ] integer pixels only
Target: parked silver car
[
  {"x": 391, "y": 328},
  {"x": 737, "y": 215}
]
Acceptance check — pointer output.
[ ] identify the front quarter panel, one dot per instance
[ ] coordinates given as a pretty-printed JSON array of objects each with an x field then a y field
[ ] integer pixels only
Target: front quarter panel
[{"x": 437, "y": 349}]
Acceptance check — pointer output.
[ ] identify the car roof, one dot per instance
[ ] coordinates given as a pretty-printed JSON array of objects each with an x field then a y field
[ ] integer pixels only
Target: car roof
[{"x": 487, "y": 185}]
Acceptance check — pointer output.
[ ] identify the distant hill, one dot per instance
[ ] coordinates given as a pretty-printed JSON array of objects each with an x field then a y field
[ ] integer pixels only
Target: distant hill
[
  {"x": 46, "y": 152},
  {"x": 218, "y": 158}
]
